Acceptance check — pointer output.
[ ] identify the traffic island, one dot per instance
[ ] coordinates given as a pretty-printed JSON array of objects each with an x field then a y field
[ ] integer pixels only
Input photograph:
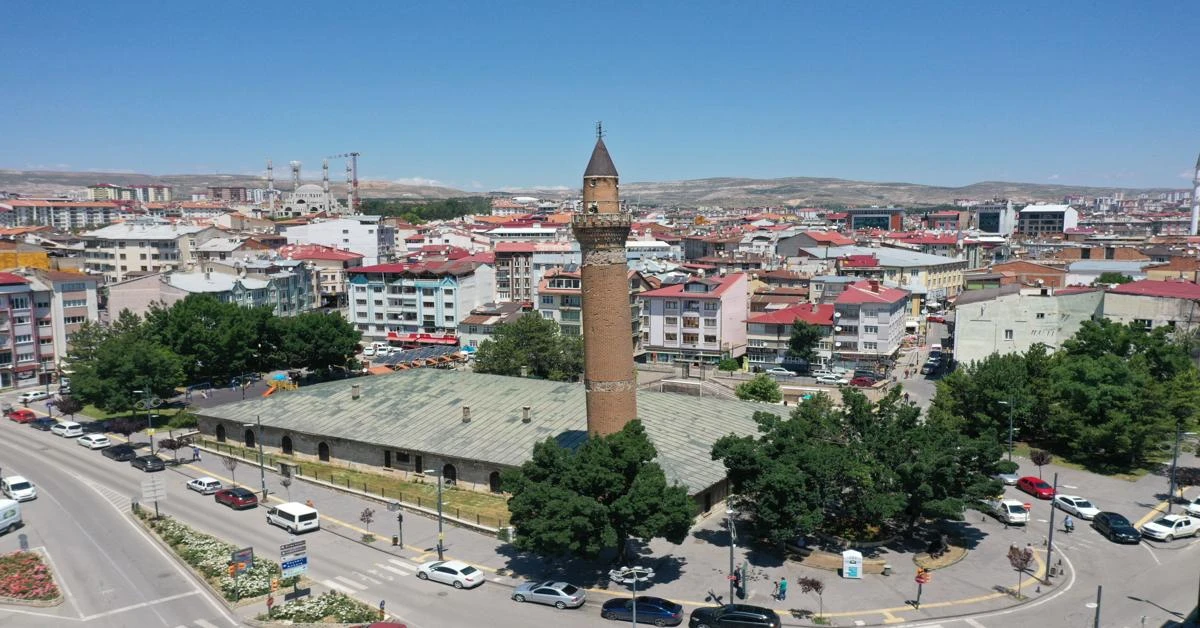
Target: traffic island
[{"x": 26, "y": 580}]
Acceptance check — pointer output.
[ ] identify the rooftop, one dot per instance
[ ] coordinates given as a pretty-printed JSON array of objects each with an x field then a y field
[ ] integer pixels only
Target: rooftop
[
  {"x": 713, "y": 287},
  {"x": 887, "y": 256},
  {"x": 1164, "y": 289},
  {"x": 870, "y": 292},
  {"x": 810, "y": 313}
]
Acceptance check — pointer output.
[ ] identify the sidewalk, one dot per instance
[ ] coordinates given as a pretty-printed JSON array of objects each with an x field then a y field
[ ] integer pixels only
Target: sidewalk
[{"x": 695, "y": 572}]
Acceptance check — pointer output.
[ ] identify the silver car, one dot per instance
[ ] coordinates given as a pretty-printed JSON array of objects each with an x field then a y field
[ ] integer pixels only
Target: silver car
[{"x": 556, "y": 594}]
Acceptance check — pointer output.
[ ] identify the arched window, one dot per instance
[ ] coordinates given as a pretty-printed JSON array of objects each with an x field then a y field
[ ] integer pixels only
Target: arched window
[
  {"x": 250, "y": 438},
  {"x": 323, "y": 452},
  {"x": 220, "y": 433},
  {"x": 449, "y": 474},
  {"x": 286, "y": 445},
  {"x": 494, "y": 482}
]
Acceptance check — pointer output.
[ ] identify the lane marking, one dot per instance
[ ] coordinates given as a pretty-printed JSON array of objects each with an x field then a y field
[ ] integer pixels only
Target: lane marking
[
  {"x": 161, "y": 600},
  {"x": 368, "y": 578},
  {"x": 338, "y": 587},
  {"x": 971, "y": 621},
  {"x": 203, "y": 624},
  {"x": 402, "y": 564},
  {"x": 398, "y": 572},
  {"x": 358, "y": 586}
]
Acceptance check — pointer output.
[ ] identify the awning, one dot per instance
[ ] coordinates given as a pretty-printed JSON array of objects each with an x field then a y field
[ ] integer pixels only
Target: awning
[{"x": 423, "y": 339}]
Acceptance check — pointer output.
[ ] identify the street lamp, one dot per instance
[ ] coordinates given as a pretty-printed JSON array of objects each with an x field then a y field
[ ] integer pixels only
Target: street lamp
[
  {"x": 147, "y": 403},
  {"x": 631, "y": 575},
  {"x": 729, "y": 513},
  {"x": 441, "y": 536},
  {"x": 1011, "y": 405},
  {"x": 262, "y": 474},
  {"x": 1179, "y": 434}
]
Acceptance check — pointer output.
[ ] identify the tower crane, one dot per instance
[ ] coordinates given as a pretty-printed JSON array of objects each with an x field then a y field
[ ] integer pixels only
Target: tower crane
[{"x": 351, "y": 178}]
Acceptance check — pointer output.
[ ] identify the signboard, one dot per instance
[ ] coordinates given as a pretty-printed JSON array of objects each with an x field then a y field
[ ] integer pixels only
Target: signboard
[
  {"x": 293, "y": 549},
  {"x": 242, "y": 559},
  {"x": 154, "y": 489},
  {"x": 293, "y": 558},
  {"x": 294, "y": 567}
]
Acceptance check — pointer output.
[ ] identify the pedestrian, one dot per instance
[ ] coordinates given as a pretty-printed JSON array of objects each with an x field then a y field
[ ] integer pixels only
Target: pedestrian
[
  {"x": 195, "y": 454},
  {"x": 775, "y": 591},
  {"x": 783, "y": 588}
]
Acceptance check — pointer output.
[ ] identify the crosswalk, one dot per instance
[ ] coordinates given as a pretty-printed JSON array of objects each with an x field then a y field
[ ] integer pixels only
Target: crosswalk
[
  {"x": 114, "y": 497},
  {"x": 377, "y": 574},
  {"x": 198, "y": 623}
]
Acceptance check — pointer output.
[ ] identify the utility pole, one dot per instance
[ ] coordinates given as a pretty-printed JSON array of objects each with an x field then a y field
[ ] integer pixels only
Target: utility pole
[
  {"x": 441, "y": 535},
  {"x": 1174, "y": 465},
  {"x": 732, "y": 543},
  {"x": 1050, "y": 539}
]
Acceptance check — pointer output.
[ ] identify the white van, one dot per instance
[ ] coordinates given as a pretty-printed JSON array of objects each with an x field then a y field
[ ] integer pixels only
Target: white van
[
  {"x": 10, "y": 515},
  {"x": 67, "y": 429},
  {"x": 294, "y": 517},
  {"x": 1009, "y": 511}
]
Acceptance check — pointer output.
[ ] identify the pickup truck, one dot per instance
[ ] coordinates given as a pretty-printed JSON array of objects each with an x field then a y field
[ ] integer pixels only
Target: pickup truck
[{"x": 1009, "y": 511}]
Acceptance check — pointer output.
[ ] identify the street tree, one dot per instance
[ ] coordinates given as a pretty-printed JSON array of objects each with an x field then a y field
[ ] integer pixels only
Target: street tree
[
  {"x": 729, "y": 364},
  {"x": 809, "y": 584},
  {"x": 534, "y": 343},
  {"x": 804, "y": 339},
  {"x": 172, "y": 445},
  {"x": 1041, "y": 458},
  {"x": 231, "y": 464},
  {"x": 68, "y": 405},
  {"x": 125, "y": 426},
  {"x": 1021, "y": 560},
  {"x": 584, "y": 502},
  {"x": 1110, "y": 278},
  {"x": 216, "y": 340},
  {"x": 316, "y": 340},
  {"x": 761, "y": 387}
]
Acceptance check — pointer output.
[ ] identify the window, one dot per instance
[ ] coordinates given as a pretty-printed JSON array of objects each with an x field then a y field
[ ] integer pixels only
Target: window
[
  {"x": 712, "y": 306},
  {"x": 74, "y": 320},
  {"x": 671, "y": 320},
  {"x": 44, "y": 323},
  {"x": 1008, "y": 334},
  {"x": 1041, "y": 315},
  {"x": 870, "y": 329},
  {"x": 547, "y": 300},
  {"x": 670, "y": 337},
  {"x": 691, "y": 322},
  {"x": 1144, "y": 323},
  {"x": 870, "y": 346},
  {"x": 710, "y": 339},
  {"x": 671, "y": 305},
  {"x": 20, "y": 320},
  {"x": 24, "y": 357},
  {"x": 20, "y": 338},
  {"x": 74, "y": 287},
  {"x": 691, "y": 339},
  {"x": 72, "y": 303},
  {"x": 20, "y": 303}
]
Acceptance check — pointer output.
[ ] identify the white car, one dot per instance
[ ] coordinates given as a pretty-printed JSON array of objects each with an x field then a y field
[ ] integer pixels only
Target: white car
[
  {"x": 33, "y": 395},
  {"x": 205, "y": 485},
  {"x": 369, "y": 352},
  {"x": 836, "y": 380},
  {"x": 1171, "y": 527},
  {"x": 779, "y": 371},
  {"x": 67, "y": 429},
  {"x": 94, "y": 441},
  {"x": 18, "y": 488},
  {"x": 1194, "y": 507},
  {"x": 1076, "y": 505},
  {"x": 452, "y": 572}
]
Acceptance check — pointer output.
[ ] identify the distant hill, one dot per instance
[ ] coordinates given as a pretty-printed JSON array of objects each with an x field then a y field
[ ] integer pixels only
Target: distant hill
[
  {"x": 727, "y": 192},
  {"x": 45, "y": 182}
]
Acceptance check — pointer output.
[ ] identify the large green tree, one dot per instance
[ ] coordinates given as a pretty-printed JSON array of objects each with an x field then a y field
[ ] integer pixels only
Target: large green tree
[
  {"x": 533, "y": 342},
  {"x": 215, "y": 340},
  {"x": 584, "y": 502},
  {"x": 122, "y": 364},
  {"x": 761, "y": 387},
  {"x": 316, "y": 340},
  {"x": 804, "y": 339}
]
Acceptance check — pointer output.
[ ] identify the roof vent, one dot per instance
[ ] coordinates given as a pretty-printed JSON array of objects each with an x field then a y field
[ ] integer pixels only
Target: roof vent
[
  {"x": 466, "y": 414},
  {"x": 526, "y": 414},
  {"x": 356, "y": 391}
]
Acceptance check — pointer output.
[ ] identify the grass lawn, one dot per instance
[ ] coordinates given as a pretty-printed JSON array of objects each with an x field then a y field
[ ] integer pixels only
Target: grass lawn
[
  {"x": 484, "y": 508},
  {"x": 1132, "y": 475}
]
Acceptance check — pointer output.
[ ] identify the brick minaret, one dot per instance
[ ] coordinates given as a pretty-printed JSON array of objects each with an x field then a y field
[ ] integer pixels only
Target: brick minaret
[{"x": 601, "y": 230}]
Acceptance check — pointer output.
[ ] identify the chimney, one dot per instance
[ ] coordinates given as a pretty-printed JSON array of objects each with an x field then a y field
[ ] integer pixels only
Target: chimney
[
  {"x": 356, "y": 391},
  {"x": 874, "y": 285},
  {"x": 466, "y": 414},
  {"x": 526, "y": 414}
]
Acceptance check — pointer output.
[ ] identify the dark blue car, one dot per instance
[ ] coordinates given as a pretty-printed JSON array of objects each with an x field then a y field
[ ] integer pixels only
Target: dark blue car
[{"x": 650, "y": 610}]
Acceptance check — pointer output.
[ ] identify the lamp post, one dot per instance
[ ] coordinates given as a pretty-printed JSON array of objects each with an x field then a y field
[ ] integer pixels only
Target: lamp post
[
  {"x": 1179, "y": 434},
  {"x": 441, "y": 535},
  {"x": 1010, "y": 405},
  {"x": 732, "y": 542},
  {"x": 147, "y": 403},
  {"x": 631, "y": 576},
  {"x": 262, "y": 473}
]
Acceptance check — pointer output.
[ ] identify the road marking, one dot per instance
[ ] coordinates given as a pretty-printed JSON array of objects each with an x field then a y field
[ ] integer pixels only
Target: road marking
[
  {"x": 375, "y": 572},
  {"x": 399, "y": 563},
  {"x": 115, "y": 611},
  {"x": 1152, "y": 554},
  {"x": 339, "y": 587},
  {"x": 203, "y": 624},
  {"x": 395, "y": 570},
  {"x": 971, "y": 620},
  {"x": 368, "y": 578},
  {"x": 358, "y": 586},
  {"x": 1069, "y": 487}
]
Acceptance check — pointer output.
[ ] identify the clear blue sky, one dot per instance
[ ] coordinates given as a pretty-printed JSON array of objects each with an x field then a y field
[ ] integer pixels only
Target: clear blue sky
[{"x": 484, "y": 95}]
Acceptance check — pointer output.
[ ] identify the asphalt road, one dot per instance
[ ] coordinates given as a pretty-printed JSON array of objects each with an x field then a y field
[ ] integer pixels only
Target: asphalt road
[{"x": 112, "y": 573}]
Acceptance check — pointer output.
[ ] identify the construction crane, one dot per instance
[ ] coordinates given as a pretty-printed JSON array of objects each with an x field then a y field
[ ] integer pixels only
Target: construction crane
[{"x": 351, "y": 178}]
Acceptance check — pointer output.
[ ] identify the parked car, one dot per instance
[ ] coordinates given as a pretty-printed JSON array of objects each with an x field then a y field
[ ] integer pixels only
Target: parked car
[
  {"x": 93, "y": 441},
  {"x": 832, "y": 379},
  {"x": 67, "y": 429},
  {"x": 1116, "y": 527},
  {"x": 204, "y": 485},
  {"x": 148, "y": 463},
  {"x": 369, "y": 352},
  {"x": 556, "y": 594},
  {"x": 1171, "y": 527},
  {"x": 452, "y": 572},
  {"x": 650, "y": 610},
  {"x": 1037, "y": 487},
  {"x": 22, "y": 415},
  {"x": 867, "y": 373},
  {"x": 18, "y": 488},
  {"x": 1009, "y": 479},
  {"x": 120, "y": 453},
  {"x": 236, "y": 498},
  {"x": 43, "y": 423},
  {"x": 933, "y": 318},
  {"x": 1009, "y": 511},
  {"x": 33, "y": 395},
  {"x": 863, "y": 382},
  {"x": 779, "y": 371},
  {"x": 733, "y": 616},
  {"x": 931, "y": 366},
  {"x": 1194, "y": 507},
  {"x": 1076, "y": 505}
]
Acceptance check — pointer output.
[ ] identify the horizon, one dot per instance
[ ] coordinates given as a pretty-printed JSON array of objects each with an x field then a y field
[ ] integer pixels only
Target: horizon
[{"x": 482, "y": 98}]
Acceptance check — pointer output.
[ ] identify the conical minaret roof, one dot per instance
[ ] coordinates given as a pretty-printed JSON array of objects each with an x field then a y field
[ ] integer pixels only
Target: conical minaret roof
[{"x": 601, "y": 164}]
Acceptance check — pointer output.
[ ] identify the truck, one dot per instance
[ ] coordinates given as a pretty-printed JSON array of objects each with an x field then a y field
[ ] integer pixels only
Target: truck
[{"x": 10, "y": 515}]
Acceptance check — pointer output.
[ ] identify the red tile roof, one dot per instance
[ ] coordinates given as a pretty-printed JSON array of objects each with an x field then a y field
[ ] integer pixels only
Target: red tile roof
[
  {"x": 1165, "y": 289},
  {"x": 317, "y": 251},
  {"x": 809, "y": 313},
  {"x": 862, "y": 292},
  {"x": 860, "y": 261},
  {"x": 831, "y": 238},
  {"x": 721, "y": 285},
  {"x": 456, "y": 267},
  {"x": 515, "y": 247},
  {"x": 9, "y": 279}
]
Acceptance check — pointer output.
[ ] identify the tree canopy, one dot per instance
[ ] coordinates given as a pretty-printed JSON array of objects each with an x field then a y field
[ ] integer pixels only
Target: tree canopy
[
  {"x": 417, "y": 212},
  {"x": 803, "y": 341},
  {"x": 534, "y": 342},
  {"x": 762, "y": 387},
  {"x": 845, "y": 470},
  {"x": 1110, "y": 277},
  {"x": 582, "y": 503}
]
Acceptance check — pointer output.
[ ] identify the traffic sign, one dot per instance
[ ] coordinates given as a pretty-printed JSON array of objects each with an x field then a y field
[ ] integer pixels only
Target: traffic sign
[
  {"x": 295, "y": 548},
  {"x": 294, "y": 567},
  {"x": 154, "y": 489},
  {"x": 242, "y": 559}
]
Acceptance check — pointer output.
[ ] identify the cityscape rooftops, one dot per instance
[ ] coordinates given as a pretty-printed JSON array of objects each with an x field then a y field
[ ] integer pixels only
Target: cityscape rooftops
[
  {"x": 810, "y": 313},
  {"x": 871, "y": 291},
  {"x": 1165, "y": 289}
]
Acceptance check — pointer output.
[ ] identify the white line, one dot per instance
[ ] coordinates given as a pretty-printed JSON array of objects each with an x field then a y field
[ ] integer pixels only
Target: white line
[
  {"x": 203, "y": 624},
  {"x": 169, "y": 598},
  {"x": 402, "y": 564},
  {"x": 368, "y": 578},
  {"x": 358, "y": 586},
  {"x": 62, "y": 581},
  {"x": 973, "y": 623},
  {"x": 394, "y": 570},
  {"x": 338, "y": 587},
  {"x": 1152, "y": 554}
]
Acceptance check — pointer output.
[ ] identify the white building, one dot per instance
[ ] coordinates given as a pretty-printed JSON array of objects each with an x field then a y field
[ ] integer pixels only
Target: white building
[
  {"x": 393, "y": 301},
  {"x": 362, "y": 234},
  {"x": 652, "y": 249},
  {"x": 869, "y": 322},
  {"x": 1153, "y": 304},
  {"x": 700, "y": 320},
  {"x": 143, "y": 246},
  {"x": 308, "y": 199},
  {"x": 62, "y": 215},
  {"x": 1013, "y": 319}
]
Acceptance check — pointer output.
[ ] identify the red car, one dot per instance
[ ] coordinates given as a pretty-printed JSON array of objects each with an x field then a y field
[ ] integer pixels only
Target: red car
[
  {"x": 863, "y": 382},
  {"x": 1037, "y": 487},
  {"x": 236, "y": 498},
  {"x": 22, "y": 415},
  {"x": 935, "y": 319}
]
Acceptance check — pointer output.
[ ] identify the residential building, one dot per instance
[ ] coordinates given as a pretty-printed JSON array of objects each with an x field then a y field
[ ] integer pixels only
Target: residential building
[
  {"x": 560, "y": 298},
  {"x": 393, "y": 301},
  {"x": 886, "y": 218},
  {"x": 17, "y": 254},
  {"x": 1036, "y": 220},
  {"x": 652, "y": 249},
  {"x": 142, "y": 246},
  {"x": 1152, "y": 304},
  {"x": 515, "y": 279},
  {"x": 826, "y": 288},
  {"x": 481, "y": 323},
  {"x": 230, "y": 194},
  {"x": 997, "y": 217},
  {"x": 228, "y": 249},
  {"x": 331, "y": 266},
  {"x": 931, "y": 279},
  {"x": 767, "y": 335},
  {"x": 1084, "y": 273},
  {"x": 699, "y": 320},
  {"x": 869, "y": 323},
  {"x": 362, "y": 234},
  {"x": 39, "y": 310},
  {"x": 110, "y": 192},
  {"x": 1033, "y": 274},
  {"x": 1177, "y": 268},
  {"x": 151, "y": 193},
  {"x": 1011, "y": 319},
  {"x": 62, "y": 215}
]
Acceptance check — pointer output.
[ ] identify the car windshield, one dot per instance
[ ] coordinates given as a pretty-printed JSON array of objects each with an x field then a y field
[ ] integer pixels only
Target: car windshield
[
  {"x": 1013, "y": 508},
  {"x": 1041, "y": 484},
  {"x": 468, "y": 570},
  {"x": 241, "y": 493},
  {"x": 570, "y": 589},
  {"x": 1083, "y": 503},
  {"x": 20, "y": 486},
  {"x": 1164, "y": 522}
]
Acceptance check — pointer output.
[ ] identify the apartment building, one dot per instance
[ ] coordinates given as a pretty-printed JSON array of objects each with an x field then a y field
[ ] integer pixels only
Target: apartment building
[
  {"x": 39, "y": 310},
  {"x": 62, "y": 215},
  {"x": 1011, "y": 319},
  {"x": 699, "y": 320},
  {"x": 362, "y": 234},
  {"x": 1151, "y": 304},
  {"x": 767, "y": 335},
  {"x": 1036, "y": 220},
  {"x": 390, "y": 301},
  {"x": 560, "y": 299},
  {"x": 331, "y": 266},
  {"x": 930, "y": 279},
  {"x": 151, "y": 193},
  {"x": 482, "y": 322},
  {"x": 520, "y": 267},
  {"x": 110, "y": 192},
  {"x": 231, "y": 194},
  {"x": 143, "y": 246},
  {"x": 869, "y": 322}
]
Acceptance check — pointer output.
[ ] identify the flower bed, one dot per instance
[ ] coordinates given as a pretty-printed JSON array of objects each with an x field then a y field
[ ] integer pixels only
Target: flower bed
[
  {"x": 24, "y": 576},
  {"x": 329, "y": 607},
  {"x": 210, "y": 556}
]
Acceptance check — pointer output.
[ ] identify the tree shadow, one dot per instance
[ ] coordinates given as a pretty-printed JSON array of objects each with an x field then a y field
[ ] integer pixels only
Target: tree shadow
[
  {"x": 588, "y": 573},
  {"x": 716, "y": 537},
  {"x": 961, "y": 533}
]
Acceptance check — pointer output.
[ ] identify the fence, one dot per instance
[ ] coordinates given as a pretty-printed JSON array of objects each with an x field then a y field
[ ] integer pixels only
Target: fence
[{"x": 371, "y": 484}]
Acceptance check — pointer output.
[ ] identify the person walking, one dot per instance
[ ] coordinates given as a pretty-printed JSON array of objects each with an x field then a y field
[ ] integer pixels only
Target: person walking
[
  {"x": 195, "y": 454},
  {"x": 783, "y": 588}
]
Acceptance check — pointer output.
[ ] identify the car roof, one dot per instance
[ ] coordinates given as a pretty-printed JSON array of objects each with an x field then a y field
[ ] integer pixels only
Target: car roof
[
  {"x": 206, "y": 479},
  {"x": 13, "y": 479},
  {"x": 1072, "y": 497}
]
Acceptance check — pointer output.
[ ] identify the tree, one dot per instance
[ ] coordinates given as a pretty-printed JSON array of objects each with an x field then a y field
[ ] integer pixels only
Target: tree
[
  {"x": 1110, "y": 277},
  {"x": 172, "y": 445},
  {"x": 1020, "y": 559},
  {"x": 729, "y": 364},
  {"x": 125, "y": 427},
  {"x": 1041, "y": 458},
  {"x": 317, "y": 340},
  {"x": 583, "y": 502},
  {"x": 813, "y": 585},
  {"x": 125, "y": 362},
  {"x": 286, "y": 482},
  {"x": 534, "y": 343},
  {"x": 68, "y": 405},
  {"x": 231, "y": 465},
  {"x": 366, "y": 517},
  {"x": 804, "y": 340},
  {"x": 762, "y": 387}
]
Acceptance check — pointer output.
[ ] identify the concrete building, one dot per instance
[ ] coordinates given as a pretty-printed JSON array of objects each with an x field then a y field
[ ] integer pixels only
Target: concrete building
[
  {"x": 62, "y": 215},
  {"x": 869, "y": 323},
  {"x": 768, "y": 334},
  {"x": 1153, "y": 304},
  {"x": 362, "y": 234},
  {"x": 142, "y": 246},
  {"x": 1033, "y": 274},
  {"x": 152, "y": 193},
  {"x": 285, "y": 286},
  {"x": 931, "y": 279},
  {"x": 39, "y": 310},
  {"x": 222, "y": 249},
  {"x": 1036, "y": 220},
  {"x": 886, "y": 218},
  {"x": 601, "y": 231},
  {"x": 110, "y": 192},
  {"x": 1084, "y": 273},
  {"x": 560, "y": 298},
  {"x": 331, "y": 266},
  {"x": 392, "y": 301},
  {"x": 1176, "y": 268},
  {"x": 1012, "y": 319},
  {"x": 515, "y": 279},
  {"x": 996, "y": 217},
  {"x": 229, "y": 194},
  {"x": 481, "y": 323},
  {"x": 700, "y": 320}
]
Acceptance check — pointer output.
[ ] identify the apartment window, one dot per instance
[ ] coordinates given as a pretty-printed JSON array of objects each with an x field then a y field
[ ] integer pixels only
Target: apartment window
[
  {"x": 74, "y": 287},
  {"x": 1143, "y": 323},
  {"x": 74, "y": 320},
  {"x": 362, "y": 302},
  {"x": 1008, "y": 334},
  {"x": 450, "y": 319},
  {"x": 44, "y": 323},
  {"x": 1041, "y": 315},
  {"x": 870, "y": 329},
  {"x": 710, "y": 339},
  {"x": 43, "y": 304},
  {"x": 712, "y": 306},
  {"x": 870, "y": 346},
  {"x": 571, "y": 315},
  {"x": 670, "y": 337},
  {"x": 691, "y": 322},
  {"x": 45, "y": 342},
  {"x": 20, "y": 303},
  {"x": 547, "y": 300},
  {"x": 20, "y": 320},
  {"x": 710, "y": 322},
  {"x": 671, "y": 320},
  {"x": 24, "y": 357},
  {"x": 671, "y": 305},
  {"x": 71, "y": 303},
  {"x": 21, "y": 338},
  {"x": 691, "y": 339}
]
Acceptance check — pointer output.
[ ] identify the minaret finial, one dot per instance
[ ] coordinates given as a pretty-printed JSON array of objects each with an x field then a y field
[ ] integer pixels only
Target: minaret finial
[{"x": 599, "y": 129}]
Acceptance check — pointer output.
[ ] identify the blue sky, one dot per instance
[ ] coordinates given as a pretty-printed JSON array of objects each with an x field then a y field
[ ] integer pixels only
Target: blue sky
[{"x": 497, "y": 94}]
